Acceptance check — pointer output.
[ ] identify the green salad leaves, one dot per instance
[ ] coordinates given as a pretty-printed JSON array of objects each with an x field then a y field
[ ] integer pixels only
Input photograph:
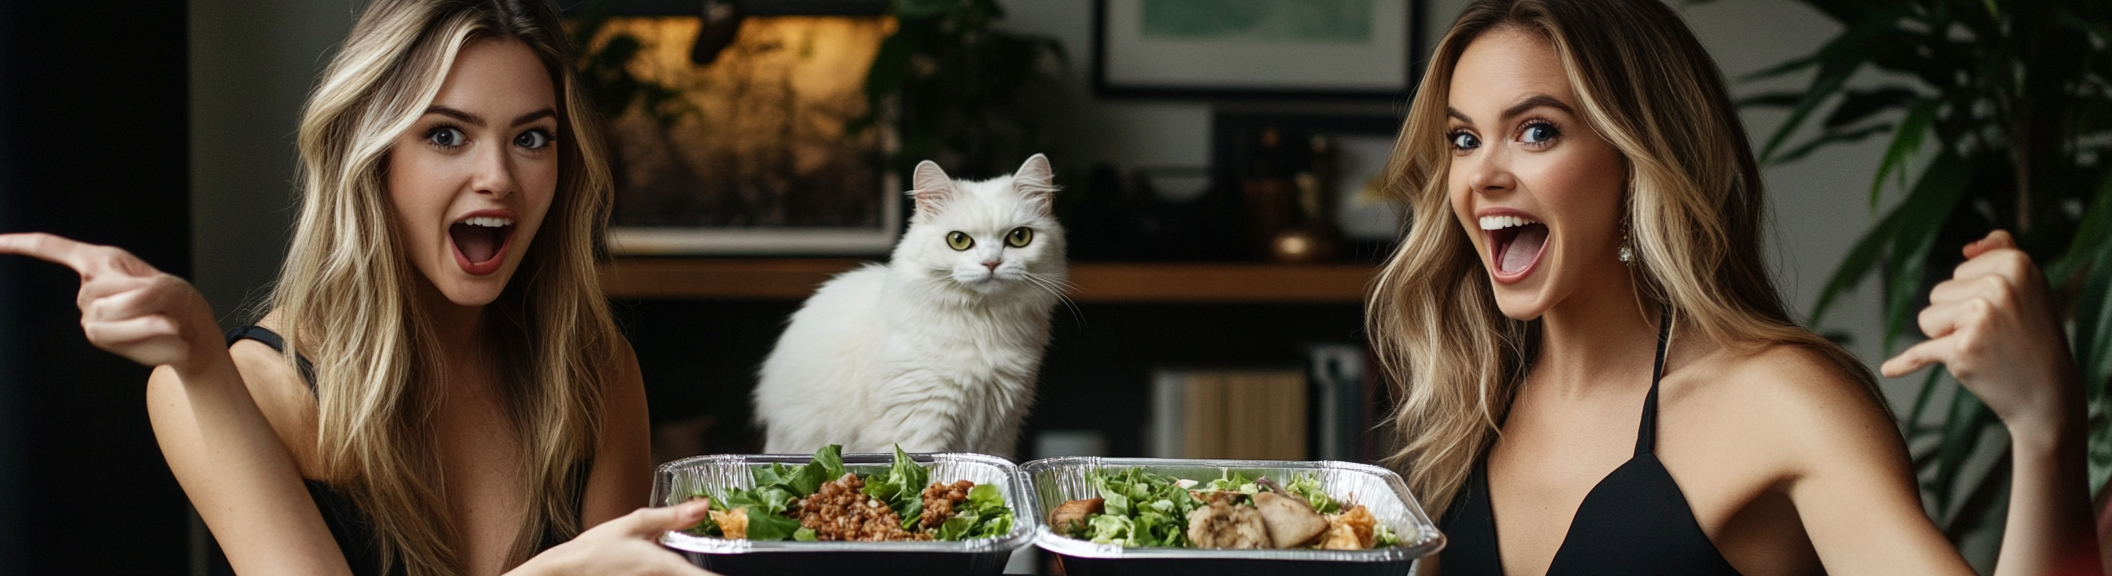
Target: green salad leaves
[
  {"x": 1144, "y": 509},
  {"x": 771, "y": 505}
]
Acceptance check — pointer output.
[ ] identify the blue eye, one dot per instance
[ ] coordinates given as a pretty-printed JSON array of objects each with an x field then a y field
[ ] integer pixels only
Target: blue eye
[
  {"x": 1541, "y": 133},
  {"x": 1465, "y": 141},
  {"x": 533, "y": 139},
  {"x": 446, "y": 137}
]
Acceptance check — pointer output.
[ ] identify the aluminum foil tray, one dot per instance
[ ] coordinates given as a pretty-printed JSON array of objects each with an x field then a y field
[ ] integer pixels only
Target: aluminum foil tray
[
  {"x": 675, "y": 481},
  {"x": 1058, "y": 480}
]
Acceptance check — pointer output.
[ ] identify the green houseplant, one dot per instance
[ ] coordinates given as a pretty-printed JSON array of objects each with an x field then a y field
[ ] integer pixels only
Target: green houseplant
[
  {"x": 2005, "y": 122},
  {"x": 958, "y": 90}
]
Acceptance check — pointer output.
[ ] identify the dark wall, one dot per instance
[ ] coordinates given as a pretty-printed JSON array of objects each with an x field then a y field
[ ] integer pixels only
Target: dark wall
[{"x": 93, "y": 145}]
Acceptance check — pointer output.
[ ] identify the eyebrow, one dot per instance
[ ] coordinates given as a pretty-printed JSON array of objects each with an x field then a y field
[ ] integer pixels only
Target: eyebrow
[
  {"x": 1538, "y": 100},
  {"x": 474, "y": 119}
]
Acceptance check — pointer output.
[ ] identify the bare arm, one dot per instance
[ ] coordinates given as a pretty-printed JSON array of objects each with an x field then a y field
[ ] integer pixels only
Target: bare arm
[
  {"x": 1848, "y": 474},
  {"x": 1993, "y": 326},
  {"x": 219, "y": 445}
]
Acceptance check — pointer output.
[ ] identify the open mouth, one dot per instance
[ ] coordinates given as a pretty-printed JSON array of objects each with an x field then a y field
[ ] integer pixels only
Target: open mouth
[
  {"x": 480, "y": 242},
  {"x": 1515, "y": 243}
]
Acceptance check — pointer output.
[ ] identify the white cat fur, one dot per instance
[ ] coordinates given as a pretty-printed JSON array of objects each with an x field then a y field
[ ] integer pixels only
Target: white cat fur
[{"x": 935, "y": 350}]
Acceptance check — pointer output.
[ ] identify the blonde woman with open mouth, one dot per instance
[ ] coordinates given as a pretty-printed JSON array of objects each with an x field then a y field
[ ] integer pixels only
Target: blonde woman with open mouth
[
  {"x": 437, "y": 387},
  {"x": 1597, "y": 376}
]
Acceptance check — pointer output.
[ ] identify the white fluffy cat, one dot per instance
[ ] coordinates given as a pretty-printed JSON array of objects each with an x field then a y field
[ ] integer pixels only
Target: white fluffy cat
[{"x": 938, "y": 349}]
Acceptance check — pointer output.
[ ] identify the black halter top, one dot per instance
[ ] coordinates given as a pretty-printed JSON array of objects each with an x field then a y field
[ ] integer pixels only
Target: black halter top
[
  {"x": 1634, "y": 522},
  {"x": 348, "y": 525}
]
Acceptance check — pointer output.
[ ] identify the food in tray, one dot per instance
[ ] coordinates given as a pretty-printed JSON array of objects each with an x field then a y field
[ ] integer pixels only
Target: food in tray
[
  {"x": 822, "y": 501},
  {"x": 1142, "y": 509}
]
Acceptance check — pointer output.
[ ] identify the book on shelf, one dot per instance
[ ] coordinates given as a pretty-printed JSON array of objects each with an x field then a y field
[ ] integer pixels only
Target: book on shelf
[
  {"x": 1322, "y": 411},
  {"x": 1246, "y": 414}
]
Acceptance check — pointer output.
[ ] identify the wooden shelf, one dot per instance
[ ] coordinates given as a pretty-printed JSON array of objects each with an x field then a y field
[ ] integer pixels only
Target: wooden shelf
[{"x": 796, "y": 278}]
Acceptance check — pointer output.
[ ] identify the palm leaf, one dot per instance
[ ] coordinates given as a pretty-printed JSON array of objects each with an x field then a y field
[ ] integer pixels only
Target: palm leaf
[
  {"x": 1831, "y": 137},
  {"x": 1859, "y": 105},
  {"x": 1922, "y": 216},
  {"x": 1906, "y": 233},
  {"x": 1905, "y": 143},
  {"x": 1836, "y": 61},
  {"x": 1961, "y": 436}
]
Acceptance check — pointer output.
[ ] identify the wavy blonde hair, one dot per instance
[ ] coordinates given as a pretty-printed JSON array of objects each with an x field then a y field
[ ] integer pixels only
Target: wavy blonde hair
[
  {"x": 345, "y": 292},
  {"x": 1693, "y": 205}
]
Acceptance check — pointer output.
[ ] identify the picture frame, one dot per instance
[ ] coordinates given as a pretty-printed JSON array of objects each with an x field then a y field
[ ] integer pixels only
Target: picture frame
[
  {"x": 736, "y": 142},
  {"x": 1256, "y": 49}
]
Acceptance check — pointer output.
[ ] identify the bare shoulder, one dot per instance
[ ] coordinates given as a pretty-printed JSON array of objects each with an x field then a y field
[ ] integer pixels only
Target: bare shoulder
[
  {"x": 1801, "y": 401},
  {"x": 284, "y": 397},
  {"x": 622, "y": 378}
]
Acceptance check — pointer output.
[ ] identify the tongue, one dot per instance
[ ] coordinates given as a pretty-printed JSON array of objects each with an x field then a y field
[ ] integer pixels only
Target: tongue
[
  {"x": 477, "y": 243},
  {"x": 1524, "y": 248}
]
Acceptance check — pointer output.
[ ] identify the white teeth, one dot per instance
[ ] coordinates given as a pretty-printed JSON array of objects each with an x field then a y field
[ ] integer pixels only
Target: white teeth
[
  {"x": 1501, "y": 222},
  {"x": 489, "y": 221}
]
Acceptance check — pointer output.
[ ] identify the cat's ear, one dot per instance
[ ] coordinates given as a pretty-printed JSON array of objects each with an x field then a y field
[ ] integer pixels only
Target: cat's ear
[
  {"x": 931, "y": 188},
  {"x": 1036, "y": 181}
]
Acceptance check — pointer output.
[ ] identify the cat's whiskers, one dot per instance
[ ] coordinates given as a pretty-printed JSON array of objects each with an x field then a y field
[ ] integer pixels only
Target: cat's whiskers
[{"x": 1059, "y": 287}]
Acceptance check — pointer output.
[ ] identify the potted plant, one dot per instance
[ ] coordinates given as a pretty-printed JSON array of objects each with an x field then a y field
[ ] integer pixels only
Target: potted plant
[
  {"x": 958, "y": 90},
  {"x": 2011, "y": 106}
]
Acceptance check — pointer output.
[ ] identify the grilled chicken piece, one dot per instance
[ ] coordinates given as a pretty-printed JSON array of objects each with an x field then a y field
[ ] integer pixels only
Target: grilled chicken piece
[
  {"x": 733, "y": 524},
  {"x": 1290, "y": 519},
  {"x": 1070, "y": 517},
  {"x": 1223, "y": 524},
  {"x": 1353, "y": 529}
]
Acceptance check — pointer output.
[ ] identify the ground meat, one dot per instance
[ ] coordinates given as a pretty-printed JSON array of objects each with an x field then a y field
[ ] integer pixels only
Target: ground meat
[
  {"x": 940, "y": 499},
  {"x": 840, "y": 511}
]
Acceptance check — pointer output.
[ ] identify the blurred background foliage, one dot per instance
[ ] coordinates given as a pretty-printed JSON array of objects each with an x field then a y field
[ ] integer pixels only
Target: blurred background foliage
[
  {"x": 958, "y": 90},
  {"x": 1999, "y": 115}
]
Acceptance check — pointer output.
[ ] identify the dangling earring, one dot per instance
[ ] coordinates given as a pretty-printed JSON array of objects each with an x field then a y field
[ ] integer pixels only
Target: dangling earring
[{"x": 1627, "y": 253}]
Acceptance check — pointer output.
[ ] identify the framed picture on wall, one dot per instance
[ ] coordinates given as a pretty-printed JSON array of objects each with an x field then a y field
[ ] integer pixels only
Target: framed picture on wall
[
  {"x": 728, "y": 126},
  {"x": 1232, "y": 49}
]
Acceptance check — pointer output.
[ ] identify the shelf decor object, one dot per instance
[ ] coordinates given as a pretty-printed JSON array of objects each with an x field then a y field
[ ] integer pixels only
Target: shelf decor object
[{"x": 1226, "y": 49}]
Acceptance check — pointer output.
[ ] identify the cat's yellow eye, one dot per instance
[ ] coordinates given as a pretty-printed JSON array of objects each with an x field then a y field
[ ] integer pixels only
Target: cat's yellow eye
[
  {"x": 1020, "y": 237},
  {"x": 959, "y": 240}
]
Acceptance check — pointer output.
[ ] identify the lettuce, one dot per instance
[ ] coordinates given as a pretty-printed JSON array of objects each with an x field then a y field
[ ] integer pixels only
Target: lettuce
[
  {"x": 1142, "y": 509},
  {"x": 1308, "y": 486},
  {"x": 777, "y": 487},
  {"x": 902, "y": 488},
  {"x": 983, "y": 515}
]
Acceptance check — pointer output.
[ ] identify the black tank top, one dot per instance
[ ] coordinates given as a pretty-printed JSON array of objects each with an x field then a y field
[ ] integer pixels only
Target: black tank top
[
  {"x": 348, "y": 525},
  {"x": 1634, "y": 522}
]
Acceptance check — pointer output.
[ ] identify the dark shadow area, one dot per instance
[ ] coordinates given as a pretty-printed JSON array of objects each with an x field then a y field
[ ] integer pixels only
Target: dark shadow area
[{"x": 94, "y": 109}]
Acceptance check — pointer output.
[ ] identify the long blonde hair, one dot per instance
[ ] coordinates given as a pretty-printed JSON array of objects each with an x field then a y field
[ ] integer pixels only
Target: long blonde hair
[
  {"x": 345, "y": 293},
  {"x": 1693, "y": 206}
]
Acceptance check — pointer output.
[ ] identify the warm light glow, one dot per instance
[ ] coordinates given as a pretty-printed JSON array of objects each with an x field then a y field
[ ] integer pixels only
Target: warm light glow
[{"x": 756, "y": 138}]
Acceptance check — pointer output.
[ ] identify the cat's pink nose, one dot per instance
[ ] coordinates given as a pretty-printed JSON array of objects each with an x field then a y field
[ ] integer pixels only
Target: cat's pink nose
[{"x": 991, "y": 264}]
